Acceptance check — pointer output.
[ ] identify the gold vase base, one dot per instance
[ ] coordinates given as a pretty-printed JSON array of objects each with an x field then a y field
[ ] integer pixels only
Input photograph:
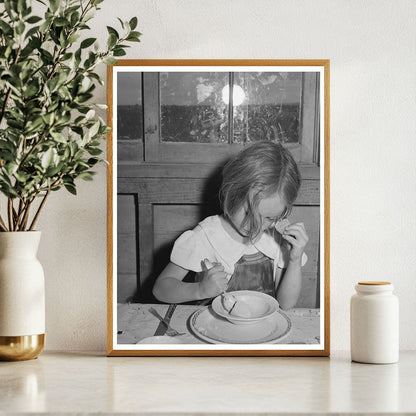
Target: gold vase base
[{"x": 20, "y": 348}]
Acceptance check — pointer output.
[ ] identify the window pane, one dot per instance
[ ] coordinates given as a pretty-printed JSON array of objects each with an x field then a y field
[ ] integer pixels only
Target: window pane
[
  {"x": 192, "y": 108},
  {"x": 270, "y": 108},
  {"x": 129, "y": 106}
]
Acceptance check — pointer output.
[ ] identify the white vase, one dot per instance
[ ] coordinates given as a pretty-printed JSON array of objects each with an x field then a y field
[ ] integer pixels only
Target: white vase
[{"x": 22, "y": 296}]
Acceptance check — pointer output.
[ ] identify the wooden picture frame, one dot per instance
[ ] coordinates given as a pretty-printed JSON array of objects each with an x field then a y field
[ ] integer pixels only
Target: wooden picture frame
[{"x": 162, "y": 180}]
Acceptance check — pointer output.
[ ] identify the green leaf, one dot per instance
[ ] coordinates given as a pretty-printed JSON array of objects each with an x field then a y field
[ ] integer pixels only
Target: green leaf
[
  {"x": 71, "y": 188},
  {"x": 33, "y": 19},
  {"x": 32, "y": 45},
  {"x": 61, "y": 21},
  {"x": 53, "y": 84},
  {"x": 67, "y": 56},
  {"x": 46, "y": 56},
  {"x": 64, "y": 93},
  {"x": 134, "y": 34},
  {"x": 92, "y": 161},
  {"x": 11, "y": 168},
  {"x": 123, "y": 24},
  {"x": 74, "y": 18},
  {"x": 112, "y": 41},
  {"x": 6, "y": 29},
  {"x": 21, "y": 177},
  {"x": 21, "y": 6},
  {"x": 87, "y": 42},
  {"x": 112, "y": 31},
  {"x": 86, "y": 176},
  {"x": 27, "y": 11},
  {"x": 4, "y": 145},
  {"x": 10, "y": 7},
  {"x": 48, "y": 118},
  {"x": 47, "y": 158},
  {"x": 52, "y": 171},
  {"x": 133, "y": 37},
  {"x": 32, "y": 31},
  {"x": 8, "y": 191},
  {"x": 58, "y": 137},
  {"x": 63, "y": 41},
  {"x": 90, "y": 114},
  {"x": 94, "y": 151},
  {"x": 94, "y": 129},
  {"x": 110, "y": 60},
  {"x": 20, "y": 28},
  {"x": 35, "y": 125},
  {"x": 54, "y": 4},
  {"x": 73, "y": 38},
  {"x": 82, "y": 166},
  {"x": 16, "y": 124},
  {"x": 67, "y": 153},
  {"x": 119, "y": 52},
  {"x": 88, "y": 16},
  {"x": 133, "y": 23},
  {"x": 82, "y": 98}
]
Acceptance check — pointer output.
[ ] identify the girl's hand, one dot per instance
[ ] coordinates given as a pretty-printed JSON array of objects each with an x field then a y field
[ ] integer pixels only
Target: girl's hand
[
  {"x": 295, "y": 235},
  {"x": 214, "y": 280}
]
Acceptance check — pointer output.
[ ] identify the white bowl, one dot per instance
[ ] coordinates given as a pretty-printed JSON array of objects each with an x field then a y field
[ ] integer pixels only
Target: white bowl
[{"x": 261, "y": 306}]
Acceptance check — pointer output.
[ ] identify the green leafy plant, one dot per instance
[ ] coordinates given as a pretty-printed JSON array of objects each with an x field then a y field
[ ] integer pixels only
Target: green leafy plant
[{"x": 50, "y": 134}]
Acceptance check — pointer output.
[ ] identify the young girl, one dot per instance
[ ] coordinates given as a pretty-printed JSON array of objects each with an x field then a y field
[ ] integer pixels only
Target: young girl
[{"x": 242, "y": 249}]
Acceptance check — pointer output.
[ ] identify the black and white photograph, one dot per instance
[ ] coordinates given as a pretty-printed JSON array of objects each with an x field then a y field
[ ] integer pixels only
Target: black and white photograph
[{"x": 218, "y": 208}]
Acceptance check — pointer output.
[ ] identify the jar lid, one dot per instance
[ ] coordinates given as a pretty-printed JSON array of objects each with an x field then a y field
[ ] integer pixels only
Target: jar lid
[
  {"x": 373, "y": 283},
  {"x": 372, "y": 287}
]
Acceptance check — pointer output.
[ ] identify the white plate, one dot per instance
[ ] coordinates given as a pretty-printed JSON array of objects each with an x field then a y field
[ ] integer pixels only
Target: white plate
[
  {"x": 261, "y": 305},
  {"x": 161, "y": 339},
  {"x": 210, "y": 327}
]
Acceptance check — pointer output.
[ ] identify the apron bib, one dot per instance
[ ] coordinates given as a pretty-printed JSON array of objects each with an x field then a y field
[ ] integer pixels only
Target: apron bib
[{"x": 253, "y": 272}]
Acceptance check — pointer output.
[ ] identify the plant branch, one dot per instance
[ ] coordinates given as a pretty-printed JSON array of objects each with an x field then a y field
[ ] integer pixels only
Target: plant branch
[
  {"x": 39, "y": 210},
  {"x": 6, "y": 99},
  {"x": 10, "y": 213},
  {"x": 21, "y": 213},
  {"x": 26, "y": 216},
  {"x": 2, "y": 225},
  {"x": 18, "y": 216},
  {"x": 35, "y": 145}
]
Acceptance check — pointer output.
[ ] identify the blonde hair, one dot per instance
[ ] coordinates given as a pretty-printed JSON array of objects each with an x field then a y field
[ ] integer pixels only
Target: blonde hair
[{"x": 257, "y": 172}]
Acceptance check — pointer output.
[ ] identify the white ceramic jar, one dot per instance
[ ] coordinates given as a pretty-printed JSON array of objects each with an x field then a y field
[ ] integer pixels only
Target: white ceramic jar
[{"x": 374, "y": 323}]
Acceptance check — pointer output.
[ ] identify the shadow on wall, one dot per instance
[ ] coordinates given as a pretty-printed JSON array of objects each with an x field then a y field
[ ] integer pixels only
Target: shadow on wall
[{"x": 209, "y": 206}]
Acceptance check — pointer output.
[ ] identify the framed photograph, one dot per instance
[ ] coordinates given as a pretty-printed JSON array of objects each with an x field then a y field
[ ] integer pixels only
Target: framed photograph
[{"x": 218, "y": 208}]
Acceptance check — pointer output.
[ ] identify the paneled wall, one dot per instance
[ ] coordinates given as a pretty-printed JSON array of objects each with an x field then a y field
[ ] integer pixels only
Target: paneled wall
[{"x": 154, "y": 211}]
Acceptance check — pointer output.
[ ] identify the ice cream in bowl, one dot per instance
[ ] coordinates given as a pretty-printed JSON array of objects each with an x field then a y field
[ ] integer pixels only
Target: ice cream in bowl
[{"x": 243, "y": 307}]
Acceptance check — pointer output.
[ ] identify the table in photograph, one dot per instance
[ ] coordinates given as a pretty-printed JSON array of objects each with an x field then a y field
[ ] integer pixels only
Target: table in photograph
[{"x": 135, "y": 323}]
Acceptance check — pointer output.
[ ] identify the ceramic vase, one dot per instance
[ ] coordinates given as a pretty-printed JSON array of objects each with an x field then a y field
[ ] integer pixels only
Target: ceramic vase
[{"x": 22, "y": 296}]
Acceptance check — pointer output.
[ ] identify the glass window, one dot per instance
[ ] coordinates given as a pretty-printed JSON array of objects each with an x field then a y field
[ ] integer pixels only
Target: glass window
[
  {"x": 196, "y": 107},
  {"x": 129, "y": 106},
  {"x": 192, "y": 108},
  {"x": 267, "y": 106}
]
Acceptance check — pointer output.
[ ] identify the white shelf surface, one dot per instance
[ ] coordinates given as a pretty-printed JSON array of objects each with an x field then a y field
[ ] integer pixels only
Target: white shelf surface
[{"x": 90, "y": 383}]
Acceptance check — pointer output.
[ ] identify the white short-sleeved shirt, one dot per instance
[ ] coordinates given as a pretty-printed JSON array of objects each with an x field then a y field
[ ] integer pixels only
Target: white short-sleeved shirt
[{"x": 209, "y": 240}]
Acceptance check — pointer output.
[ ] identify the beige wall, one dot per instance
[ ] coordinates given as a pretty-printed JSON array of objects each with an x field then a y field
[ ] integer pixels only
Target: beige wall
[{"x": 373, "y": 146}]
